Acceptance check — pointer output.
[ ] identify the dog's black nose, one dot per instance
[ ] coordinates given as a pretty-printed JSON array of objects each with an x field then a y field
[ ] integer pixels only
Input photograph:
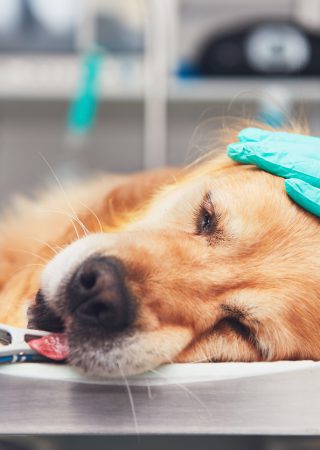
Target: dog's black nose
[{"x": 98, "y": 296}]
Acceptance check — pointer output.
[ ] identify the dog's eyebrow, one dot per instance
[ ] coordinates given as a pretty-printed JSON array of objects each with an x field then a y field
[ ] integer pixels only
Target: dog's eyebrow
[{"x": 236, "y": 312}]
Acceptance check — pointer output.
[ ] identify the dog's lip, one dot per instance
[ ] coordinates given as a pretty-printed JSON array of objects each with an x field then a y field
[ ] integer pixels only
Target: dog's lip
[
  {"x": 41, "y": 316},
  {"x": 53, "y": 346}
]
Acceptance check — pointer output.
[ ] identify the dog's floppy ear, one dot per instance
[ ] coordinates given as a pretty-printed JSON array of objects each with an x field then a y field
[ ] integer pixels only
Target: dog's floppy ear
[
  {"x": 134, "y": 192},
  {"x": 117, "y": 205}
]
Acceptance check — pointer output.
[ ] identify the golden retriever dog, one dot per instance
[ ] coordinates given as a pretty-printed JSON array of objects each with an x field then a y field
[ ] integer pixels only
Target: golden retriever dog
[{"x": 209, "y": 263}]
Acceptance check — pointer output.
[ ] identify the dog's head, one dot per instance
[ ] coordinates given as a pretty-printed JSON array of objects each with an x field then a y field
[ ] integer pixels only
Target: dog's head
[{"x": 219, "y": 266}]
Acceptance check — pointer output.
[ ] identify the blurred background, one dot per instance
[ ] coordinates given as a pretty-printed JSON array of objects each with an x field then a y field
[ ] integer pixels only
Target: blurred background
[{"x": 126, "y": 85}]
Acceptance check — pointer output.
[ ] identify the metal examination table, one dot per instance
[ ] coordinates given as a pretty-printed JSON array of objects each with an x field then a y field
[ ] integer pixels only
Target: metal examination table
[{"x": 281, "y": 404}]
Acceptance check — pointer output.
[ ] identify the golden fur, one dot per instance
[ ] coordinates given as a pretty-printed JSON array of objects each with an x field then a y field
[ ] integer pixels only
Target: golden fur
[{"x": 247, "y": 291}]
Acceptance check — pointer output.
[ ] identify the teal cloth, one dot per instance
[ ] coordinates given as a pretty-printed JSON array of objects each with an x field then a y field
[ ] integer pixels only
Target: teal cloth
[{"x": 295, "y": 157}]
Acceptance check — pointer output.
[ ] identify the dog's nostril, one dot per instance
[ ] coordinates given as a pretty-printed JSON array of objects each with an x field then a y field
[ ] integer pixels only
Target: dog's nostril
[
  {"x": 88, "y": 279},
  {"x": 96, "y": 311}
]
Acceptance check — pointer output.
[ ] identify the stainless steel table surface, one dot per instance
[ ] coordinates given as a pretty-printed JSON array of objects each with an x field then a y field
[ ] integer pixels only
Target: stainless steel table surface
[{"x": 279, "y": 404}]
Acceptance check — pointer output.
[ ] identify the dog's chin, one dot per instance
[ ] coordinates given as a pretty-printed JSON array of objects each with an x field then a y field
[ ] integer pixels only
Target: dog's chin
[
  {"x": 122, "y": 355},
  {"x": 114, "y": 356},
  {"x": 109, "y": 358}
]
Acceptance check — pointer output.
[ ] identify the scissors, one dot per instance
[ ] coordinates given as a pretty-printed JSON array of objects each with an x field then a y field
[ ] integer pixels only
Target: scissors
[{"x": 15, "y": 346}]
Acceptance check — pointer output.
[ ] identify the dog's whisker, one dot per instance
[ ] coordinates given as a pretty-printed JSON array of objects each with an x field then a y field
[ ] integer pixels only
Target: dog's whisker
[
  {"x": 184, "y": 388},
  {"x": 46, "y": 244},
  {"x": 29, "y": 253},
  {"x": 64, "y": 193},
  {"x": 82, "y": 225},
  {"x": 136, "y": 425},
  {"x": 25, "y": 267},
  {"x": 111, "y": 211},
  {"x": 206, "y": 356},
  {"x": 150, "y": 395},
  {"x": 201, "y": 360},
  {"x": 33, "y": 264},
  {"x": 85, "y": 230},
  {"x": 65, "y": 213},
  {"x": 94, "y": 215}
]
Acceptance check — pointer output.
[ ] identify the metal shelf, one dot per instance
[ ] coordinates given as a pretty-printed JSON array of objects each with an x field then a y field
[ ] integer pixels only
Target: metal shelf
[
  {"x": 123, "y": 79},
  {"x": 57, "y": 78},
  {"x": 243, "y": 89}
]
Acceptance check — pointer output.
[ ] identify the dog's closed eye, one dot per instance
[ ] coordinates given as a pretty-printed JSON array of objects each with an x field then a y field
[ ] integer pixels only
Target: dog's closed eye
[{"x": 235, "y": 325}]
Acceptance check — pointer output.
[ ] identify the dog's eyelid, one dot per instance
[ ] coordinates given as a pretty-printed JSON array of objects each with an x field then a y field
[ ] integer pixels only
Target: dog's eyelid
[
  {"x": 241, "y": 315},
  {"x": 208, "y": 203}
]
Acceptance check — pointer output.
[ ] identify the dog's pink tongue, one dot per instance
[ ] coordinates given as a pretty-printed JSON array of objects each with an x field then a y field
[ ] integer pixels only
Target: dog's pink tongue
[{"x": 52, "y": 346}]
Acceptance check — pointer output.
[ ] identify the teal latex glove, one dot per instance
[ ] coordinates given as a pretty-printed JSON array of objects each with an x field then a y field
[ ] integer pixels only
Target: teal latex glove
[{"x": 294, "y": 157}]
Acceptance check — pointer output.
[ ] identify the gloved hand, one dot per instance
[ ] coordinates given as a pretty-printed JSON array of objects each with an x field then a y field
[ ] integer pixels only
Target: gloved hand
[{"x": 294, "y": 157}]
